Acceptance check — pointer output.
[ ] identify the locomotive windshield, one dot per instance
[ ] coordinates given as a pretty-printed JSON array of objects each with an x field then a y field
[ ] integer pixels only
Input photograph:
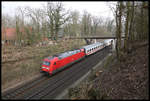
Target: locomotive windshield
[{"x": 46, "y": 63}]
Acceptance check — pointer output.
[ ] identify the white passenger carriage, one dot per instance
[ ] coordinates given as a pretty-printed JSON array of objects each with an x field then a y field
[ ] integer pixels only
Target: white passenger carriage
[{"x": 90, "y": 49}]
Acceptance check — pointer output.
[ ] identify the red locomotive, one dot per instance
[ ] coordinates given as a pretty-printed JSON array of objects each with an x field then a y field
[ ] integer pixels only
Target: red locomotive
[{"x": 58, "y": 62}]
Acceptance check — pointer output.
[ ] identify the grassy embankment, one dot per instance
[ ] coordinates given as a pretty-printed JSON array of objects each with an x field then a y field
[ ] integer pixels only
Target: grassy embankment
[{"x": 19, "y": 64}]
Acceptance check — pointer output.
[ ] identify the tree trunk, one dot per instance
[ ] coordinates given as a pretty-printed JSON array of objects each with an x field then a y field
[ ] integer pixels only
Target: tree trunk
[
  {"x": 119, "y": 32},
  {"x": 131, "y": 32},
  {"x": 126, "y": 29}
]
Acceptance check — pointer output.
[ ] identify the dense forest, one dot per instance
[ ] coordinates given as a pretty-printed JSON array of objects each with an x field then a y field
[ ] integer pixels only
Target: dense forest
[{"x": 132, "y": 20}]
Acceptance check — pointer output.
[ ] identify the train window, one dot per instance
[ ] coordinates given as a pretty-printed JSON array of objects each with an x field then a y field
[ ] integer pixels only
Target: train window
[
  {"x": 74, "y": 52},
  {"x": 46, "y": 63},
  {"x": 54, "y": 63},
  {"x": 60, "y": 57}
]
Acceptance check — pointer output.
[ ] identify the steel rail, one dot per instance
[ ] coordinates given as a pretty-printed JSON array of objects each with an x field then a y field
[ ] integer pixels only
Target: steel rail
[{"x": 22, "y": 88}]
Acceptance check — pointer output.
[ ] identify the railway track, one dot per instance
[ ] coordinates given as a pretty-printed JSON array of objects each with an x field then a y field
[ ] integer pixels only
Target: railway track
[
  {"x": 85, "y": 68},
  {"x": 46, "y": 87},
  {"x": 22, "y": 88}
]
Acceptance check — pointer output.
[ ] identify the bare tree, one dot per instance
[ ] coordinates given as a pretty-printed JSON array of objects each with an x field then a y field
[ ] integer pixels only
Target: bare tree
[
  {"x": 109, "y": 24},
  {"x": 96, "y": 21},
  {"x": 36, "y": 16},
  {"x": 72, "y": 27},
  {"x": 118, "y": 28},
  {"x": 86, "y": 23},
  {"x": 127, "y": 27},
  {"x": 50, "y": 14},
  {"x": 131, "y": 31},
  {"x": 21, "y": 12},
  {"x": 75, "y": 22},
  {"x": 57, "y": 17},
  {"x": 18, "y": 30},
  {"x": 4, "y": 26},
  {"x": 60, "y": 17}
]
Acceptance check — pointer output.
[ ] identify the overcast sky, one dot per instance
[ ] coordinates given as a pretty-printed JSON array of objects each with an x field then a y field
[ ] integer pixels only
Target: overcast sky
[{"x": 95, "y": 8}]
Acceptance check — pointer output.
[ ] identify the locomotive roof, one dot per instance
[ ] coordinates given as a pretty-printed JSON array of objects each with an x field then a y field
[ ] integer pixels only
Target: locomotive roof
[
  {"x": 68, "y": 53},
  {"x": 50, "y": 57}
]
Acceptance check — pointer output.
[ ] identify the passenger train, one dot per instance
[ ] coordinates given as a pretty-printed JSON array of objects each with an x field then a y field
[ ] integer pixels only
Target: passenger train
[{"x": 55, "y": 63}]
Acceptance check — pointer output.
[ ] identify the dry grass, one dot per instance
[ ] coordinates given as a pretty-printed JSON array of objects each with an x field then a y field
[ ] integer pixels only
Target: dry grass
[
  {"x": 87, "y": 91},
  {"x": 14, "y": 53},
  {"x": 29, "y": 59}
]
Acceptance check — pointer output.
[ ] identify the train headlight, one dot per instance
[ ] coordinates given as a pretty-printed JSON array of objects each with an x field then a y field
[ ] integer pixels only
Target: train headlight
[
  {"x": 46, "y": 68},
  {"x": 43, "y": 67}
]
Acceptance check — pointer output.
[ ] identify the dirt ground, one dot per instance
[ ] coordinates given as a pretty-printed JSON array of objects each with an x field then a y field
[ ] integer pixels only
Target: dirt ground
[
  {"x": 125, "y": 80},
  {"x": 128, "y": 79}
]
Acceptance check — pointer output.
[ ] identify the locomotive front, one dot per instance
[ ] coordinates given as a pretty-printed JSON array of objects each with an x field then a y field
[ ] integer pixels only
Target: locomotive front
[{"x": 47, "y": 65}]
